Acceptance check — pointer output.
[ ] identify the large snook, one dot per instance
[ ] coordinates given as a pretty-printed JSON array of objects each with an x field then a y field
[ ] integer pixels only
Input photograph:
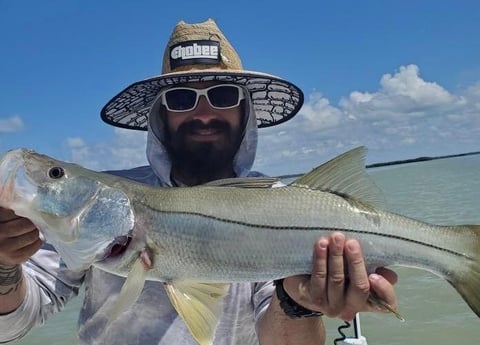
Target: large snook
[{"x": 199, "y": 239}]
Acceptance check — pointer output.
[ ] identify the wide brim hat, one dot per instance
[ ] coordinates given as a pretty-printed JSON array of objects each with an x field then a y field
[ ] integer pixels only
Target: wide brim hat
[{"x": 201, "y": 53}]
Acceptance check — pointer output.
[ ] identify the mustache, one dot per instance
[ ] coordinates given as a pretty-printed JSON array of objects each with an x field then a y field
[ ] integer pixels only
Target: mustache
[{"x": 194, "y": 125}]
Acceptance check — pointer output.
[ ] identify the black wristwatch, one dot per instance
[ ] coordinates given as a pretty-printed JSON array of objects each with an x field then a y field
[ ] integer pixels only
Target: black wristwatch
[{"x": 289, "y": 306}]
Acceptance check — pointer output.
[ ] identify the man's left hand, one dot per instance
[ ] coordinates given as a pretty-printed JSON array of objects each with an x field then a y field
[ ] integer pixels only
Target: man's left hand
[{"x": 329, "y": 289}]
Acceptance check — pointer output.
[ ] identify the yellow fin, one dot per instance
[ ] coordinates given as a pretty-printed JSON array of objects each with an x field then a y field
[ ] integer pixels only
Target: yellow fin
[
  {"x": 131, "y": 290},
  {"x": 377, "y": 301},
  {"x": 199, "y": 305}
]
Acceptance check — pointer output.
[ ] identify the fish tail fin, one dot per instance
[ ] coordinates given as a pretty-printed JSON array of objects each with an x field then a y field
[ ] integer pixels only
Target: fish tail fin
[{"x": 467, "y": 283}]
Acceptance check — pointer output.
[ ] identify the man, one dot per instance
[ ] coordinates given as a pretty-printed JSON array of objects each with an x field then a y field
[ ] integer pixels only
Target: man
[{"x": 202, "y": 116}]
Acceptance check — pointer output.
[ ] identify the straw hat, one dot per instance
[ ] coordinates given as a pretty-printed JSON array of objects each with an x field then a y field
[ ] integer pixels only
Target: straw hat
[{"x": 196, "y": 53}]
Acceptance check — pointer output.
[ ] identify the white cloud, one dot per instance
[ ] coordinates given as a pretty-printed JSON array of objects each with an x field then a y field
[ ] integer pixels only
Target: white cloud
[
  {"x": 472, "y": 95},
  {"x": 318, "y": 114},
  {"x": 126, "y": 150},
  {"x": 12, "y": 124},
  {"x": 404, "y": 94},
  {"x": 406, "y": 117}
]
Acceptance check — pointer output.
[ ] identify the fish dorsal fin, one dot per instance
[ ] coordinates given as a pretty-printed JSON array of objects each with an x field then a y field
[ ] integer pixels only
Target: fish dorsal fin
[
  {"x": 346, "y": 176},
  {"x": 199, "y": 305},
  {"x": 245, "y": 182}
]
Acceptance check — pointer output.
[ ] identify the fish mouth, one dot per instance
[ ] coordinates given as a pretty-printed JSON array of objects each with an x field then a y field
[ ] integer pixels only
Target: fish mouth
[{"x": 15, "y": 186}]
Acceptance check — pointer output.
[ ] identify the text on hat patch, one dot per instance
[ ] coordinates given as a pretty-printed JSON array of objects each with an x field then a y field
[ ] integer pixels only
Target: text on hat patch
[{"x": 203, "y": 52}]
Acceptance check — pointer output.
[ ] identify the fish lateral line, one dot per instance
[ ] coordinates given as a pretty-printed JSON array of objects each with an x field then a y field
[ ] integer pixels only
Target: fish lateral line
[{"x": 312, "y": 228}]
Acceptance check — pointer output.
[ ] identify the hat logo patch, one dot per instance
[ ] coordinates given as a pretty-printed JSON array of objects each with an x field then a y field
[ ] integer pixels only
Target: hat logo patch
[{"x": 195, "y": 52}]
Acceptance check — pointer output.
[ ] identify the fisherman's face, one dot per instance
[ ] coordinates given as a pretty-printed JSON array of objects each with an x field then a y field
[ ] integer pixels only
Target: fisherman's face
[{"x": 205, "y": 135}]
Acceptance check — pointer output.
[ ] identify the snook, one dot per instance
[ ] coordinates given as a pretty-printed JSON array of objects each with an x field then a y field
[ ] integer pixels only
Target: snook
[{"x": 199, "y": 239}]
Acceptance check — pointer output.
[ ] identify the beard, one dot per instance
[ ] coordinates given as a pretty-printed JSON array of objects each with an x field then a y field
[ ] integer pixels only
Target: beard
[{"x": 204, "y": 161}]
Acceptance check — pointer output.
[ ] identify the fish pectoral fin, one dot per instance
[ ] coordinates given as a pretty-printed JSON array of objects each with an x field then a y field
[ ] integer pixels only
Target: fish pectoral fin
[
  {"x": 131, "y": 289},
  {"x": 199, "y": 305}
]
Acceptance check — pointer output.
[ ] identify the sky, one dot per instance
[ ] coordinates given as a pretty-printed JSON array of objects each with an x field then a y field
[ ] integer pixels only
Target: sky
[{"x": 399, "y": 77}]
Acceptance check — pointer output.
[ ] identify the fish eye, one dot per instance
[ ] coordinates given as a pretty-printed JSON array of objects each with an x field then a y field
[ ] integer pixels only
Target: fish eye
[{"x": 56, "y": 172}]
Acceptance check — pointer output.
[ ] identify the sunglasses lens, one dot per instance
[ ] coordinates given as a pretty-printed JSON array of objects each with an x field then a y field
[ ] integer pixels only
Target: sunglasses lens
[
  {"x": 180, "y": 99},
  {"x": 224, "y": 96},
  {"x": 185, "y": 99}
]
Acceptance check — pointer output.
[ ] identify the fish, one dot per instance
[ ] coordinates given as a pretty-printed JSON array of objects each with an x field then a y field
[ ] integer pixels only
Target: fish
[{"x": 197, "y": 240}]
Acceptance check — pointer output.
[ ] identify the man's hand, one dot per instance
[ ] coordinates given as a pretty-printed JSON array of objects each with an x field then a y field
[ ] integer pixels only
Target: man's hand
[
  {"x": 19, "y": 238},
  {"x": 330, "y": 290}
]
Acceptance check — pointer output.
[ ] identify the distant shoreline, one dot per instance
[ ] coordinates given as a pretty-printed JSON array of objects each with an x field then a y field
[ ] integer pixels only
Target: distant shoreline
[
  {"x": 402, "y": 161},
  {"x": 420, "y": 159}
]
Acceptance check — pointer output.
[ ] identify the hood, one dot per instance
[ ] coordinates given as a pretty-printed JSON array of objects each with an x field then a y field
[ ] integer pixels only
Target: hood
[{"x": 159, "y": 159}]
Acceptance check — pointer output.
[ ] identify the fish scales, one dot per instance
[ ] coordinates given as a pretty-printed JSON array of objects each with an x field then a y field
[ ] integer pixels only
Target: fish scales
[{"x": 254, "y": 243}]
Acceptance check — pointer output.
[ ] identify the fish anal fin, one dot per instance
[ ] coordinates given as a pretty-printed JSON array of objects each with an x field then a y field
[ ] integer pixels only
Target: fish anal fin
[
  {"x": 374, "y": 300},
  {"x": 344, "y": 175},
  {"x": 199, "y": 305}
]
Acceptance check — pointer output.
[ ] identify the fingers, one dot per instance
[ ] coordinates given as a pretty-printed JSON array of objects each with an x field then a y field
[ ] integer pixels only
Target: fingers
[
  {"x": 340, "y": 285},
  {"x": 381, "y": 283},
  {"x": 336, "y": 272},
  {"x": 328, "y": 289},
  {"x": 319, "y": 278},
  {"x": 19, "y": 239},
  {"x": 15, "y": 227},
  {"x": 20, "y": 255},
  {"x": 387, "y": 274},
  {"x": 6, "y": 215},
  {"x": 16, "y": 250},
  {"x": 384, "y": 290},
  {"x": 359, "y": 286},
  {"x": 311, "y": 291}
]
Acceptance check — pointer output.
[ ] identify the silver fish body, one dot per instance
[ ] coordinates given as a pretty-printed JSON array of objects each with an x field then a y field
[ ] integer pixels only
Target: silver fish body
[
  {"x": 198, "y": 239},
  {"x": 272, "y": 231}
]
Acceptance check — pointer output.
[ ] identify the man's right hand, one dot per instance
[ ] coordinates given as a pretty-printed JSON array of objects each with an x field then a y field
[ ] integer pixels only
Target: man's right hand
[{"x": 19, "y": 238}]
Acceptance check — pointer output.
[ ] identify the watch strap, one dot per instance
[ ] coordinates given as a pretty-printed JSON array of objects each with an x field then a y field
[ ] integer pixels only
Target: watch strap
[{"x": 289, "y": 306}]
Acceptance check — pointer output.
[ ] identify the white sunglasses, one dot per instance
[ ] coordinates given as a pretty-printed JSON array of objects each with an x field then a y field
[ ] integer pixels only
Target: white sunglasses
[{"x": 223, "y": 96}]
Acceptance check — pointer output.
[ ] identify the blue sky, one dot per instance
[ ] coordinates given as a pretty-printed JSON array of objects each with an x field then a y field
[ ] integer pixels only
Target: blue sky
[{"x": 401, "y": 77}]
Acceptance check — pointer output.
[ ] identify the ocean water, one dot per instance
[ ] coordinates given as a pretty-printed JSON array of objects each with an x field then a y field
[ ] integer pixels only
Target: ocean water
[{"x": 445, "y": 191}]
